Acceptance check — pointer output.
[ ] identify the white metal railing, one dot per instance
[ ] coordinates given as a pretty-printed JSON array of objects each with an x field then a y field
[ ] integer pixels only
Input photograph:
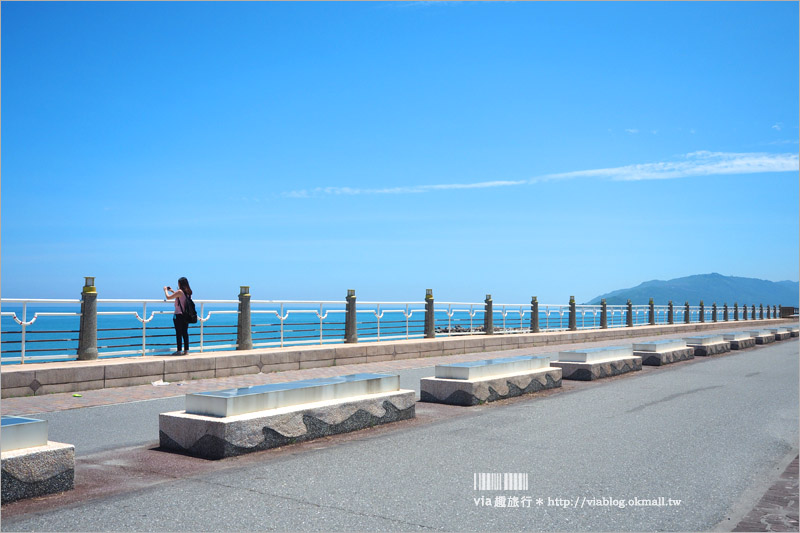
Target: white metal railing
[
  {"x": 298, "y": 322},
  {"x": 405, "y": 309},
  {"x": 455, "y": 310}
]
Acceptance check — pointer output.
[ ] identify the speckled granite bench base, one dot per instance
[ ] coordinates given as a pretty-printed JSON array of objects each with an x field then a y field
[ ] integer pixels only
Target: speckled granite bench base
[
  {"x": 765, "y": 339},
  {"x": 32, "y": 472},
  {"x": 218, "y": 437},
  {"x": 782, "y": 336},
  {"x": 665, "y": 358},
  {"x": 599, "y": 370},
  {"x": 795, "y": 333},
  {"x": 473, "y": 392},
  {"x": 742, "y": 344},
  {"x": 711, "y": 349}
]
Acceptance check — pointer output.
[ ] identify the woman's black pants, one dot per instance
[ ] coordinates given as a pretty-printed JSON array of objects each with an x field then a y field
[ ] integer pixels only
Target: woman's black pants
[{"x": 181, "y": 331}]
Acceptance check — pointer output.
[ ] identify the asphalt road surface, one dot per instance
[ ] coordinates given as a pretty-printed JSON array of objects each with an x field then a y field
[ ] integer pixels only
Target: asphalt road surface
[{"x": 700, "y": 435}]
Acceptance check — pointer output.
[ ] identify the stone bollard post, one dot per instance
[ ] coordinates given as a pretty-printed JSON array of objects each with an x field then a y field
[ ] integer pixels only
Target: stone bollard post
[
  {"x": 725, "y": 312},
  {"x": 87, "y": 336},
  {"x": 744, "y": 311},
  {"x": 753, "y": 313},
  {"x": 687, "y": 313},
  {"x": 350, "y": 324},
  {"x": 488, "y": 316},
  {"x": 670, "y": 313},
  {"x": 652, "y": 317},
  {"x": 603, "y": 314},
  {"x": 714, "y": 312},
  {"x": 430, "y": 324},
  {"x": 629, "y": 319},
  {"x": 769, "y": 312},
  {"x": 244, "y": 333},
  {"x": 780, "y": 311},
  {"x": 735, "y": 312},
  {"x": 761, "y": 311},
  {"x": 573, "y": 319},
  {"x": 702, "y": 311},
  {"x": 534, "y": 315}
]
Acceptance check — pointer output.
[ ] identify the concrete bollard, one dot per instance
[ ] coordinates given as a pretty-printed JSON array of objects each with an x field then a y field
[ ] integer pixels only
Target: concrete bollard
[
  {"x": 652, "y": 317},
  {"x": 488, "y": 316},
  {"x": 629, "y": 319},
  {"x": 702, "y": 311},
  {"x": 714, "y": 312},
  {"x": 687, "y": 313},
  {"x": 670, "y": 313},
  {"x": 725, "y": 312},
  {"x": 780, "y": 311},
  {"x": 87, "y": 336},
  {"x": 430, "y": 324},
  {"x": 735, "y": 311},
  {"x": 573, "y": 320},
  {"x": 244, "y": 333},
  {"x": 603, "y": 314},
  {"x": 534, "y": 315},
  {"x": 753, "y": 314},
  {"x": 744, "y": 311},
  {"x": 350, "y": 323},
  {"x": 761, "y": 311}
]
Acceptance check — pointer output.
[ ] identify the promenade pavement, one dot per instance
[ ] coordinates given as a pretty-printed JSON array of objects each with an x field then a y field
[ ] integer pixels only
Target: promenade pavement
[{"x": 710, "y": 432}]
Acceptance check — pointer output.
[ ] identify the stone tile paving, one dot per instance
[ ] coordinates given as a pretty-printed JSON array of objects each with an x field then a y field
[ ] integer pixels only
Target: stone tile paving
[{"x": 778, "y": 509}]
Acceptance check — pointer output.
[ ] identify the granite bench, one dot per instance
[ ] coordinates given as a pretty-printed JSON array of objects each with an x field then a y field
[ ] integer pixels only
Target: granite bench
[
  {"x": 704, "y": 345},
  {"x": 663, "y": 352},
  {"x": 596, "y": 363},
  {"x": 739, "y": 340},
  {"x": 477, "y": 382},
  {"x": 226, "y": 423},
  {"x": 32, "y": 465}
]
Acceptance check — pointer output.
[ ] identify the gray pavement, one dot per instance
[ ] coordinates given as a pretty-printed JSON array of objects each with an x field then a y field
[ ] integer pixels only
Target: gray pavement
[{"x": 701, "y": 432}]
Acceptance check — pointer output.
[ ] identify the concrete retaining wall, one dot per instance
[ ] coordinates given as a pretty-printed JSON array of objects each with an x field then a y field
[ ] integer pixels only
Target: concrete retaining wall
[{"x": 73, "y": 376}]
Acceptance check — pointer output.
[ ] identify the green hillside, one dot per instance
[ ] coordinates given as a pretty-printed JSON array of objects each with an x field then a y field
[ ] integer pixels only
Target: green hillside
[{"x": 710, "y": 288}]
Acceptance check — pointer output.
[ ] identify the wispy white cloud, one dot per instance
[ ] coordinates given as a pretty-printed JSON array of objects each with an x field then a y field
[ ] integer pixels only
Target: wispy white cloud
[
  {"x": 779, "y": 142},
  {"x": 777, "y": 127},
  {"x": 695, "y": 164},
  {"x": 701, "y": 163},
  {"x": 632, "y": 130},
  {"x": 411, "y": 189}
]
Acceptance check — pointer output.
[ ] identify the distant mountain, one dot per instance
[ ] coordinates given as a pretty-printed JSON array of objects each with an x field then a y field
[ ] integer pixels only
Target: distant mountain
[{"x": 710, "y": 288}]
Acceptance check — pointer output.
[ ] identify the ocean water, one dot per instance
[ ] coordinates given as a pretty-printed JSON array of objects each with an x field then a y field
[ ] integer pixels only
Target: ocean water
[{"x": 121, "y": 332}]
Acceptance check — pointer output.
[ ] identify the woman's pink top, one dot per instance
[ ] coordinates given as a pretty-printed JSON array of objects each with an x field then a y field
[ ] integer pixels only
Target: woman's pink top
[{"x": 179, "y": 307}]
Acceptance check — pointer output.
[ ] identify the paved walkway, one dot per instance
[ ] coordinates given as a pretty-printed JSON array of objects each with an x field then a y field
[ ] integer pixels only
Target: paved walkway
[
  {"x": 93, "y": 398},
  {"x": 778, "y": 509}
]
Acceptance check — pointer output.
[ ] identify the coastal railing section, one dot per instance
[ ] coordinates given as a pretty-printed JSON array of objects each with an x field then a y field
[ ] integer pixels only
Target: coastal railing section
[{"x": 37, "y": 330}]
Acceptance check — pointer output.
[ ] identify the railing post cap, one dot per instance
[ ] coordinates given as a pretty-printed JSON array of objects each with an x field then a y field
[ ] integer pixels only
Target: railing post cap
[
  {"x": 428, "y": 293},
  {"x": 488, "y": 297},
  {"x": 244, "y": 290},
  {"x": 351, "y": 292},
  {"x": 89, "y": 284},
  {"x": 534, "y": 298}
]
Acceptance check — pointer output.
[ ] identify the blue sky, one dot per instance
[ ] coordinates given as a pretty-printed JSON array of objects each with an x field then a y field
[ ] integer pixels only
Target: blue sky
[{"x": 517, "y": 149}]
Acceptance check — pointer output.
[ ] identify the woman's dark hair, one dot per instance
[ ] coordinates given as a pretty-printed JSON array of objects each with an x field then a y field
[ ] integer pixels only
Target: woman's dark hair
[{"x": 183, "y": 284}]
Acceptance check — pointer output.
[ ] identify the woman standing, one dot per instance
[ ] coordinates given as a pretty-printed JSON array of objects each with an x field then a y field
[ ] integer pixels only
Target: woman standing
[{"x": 178, "y": 319}]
